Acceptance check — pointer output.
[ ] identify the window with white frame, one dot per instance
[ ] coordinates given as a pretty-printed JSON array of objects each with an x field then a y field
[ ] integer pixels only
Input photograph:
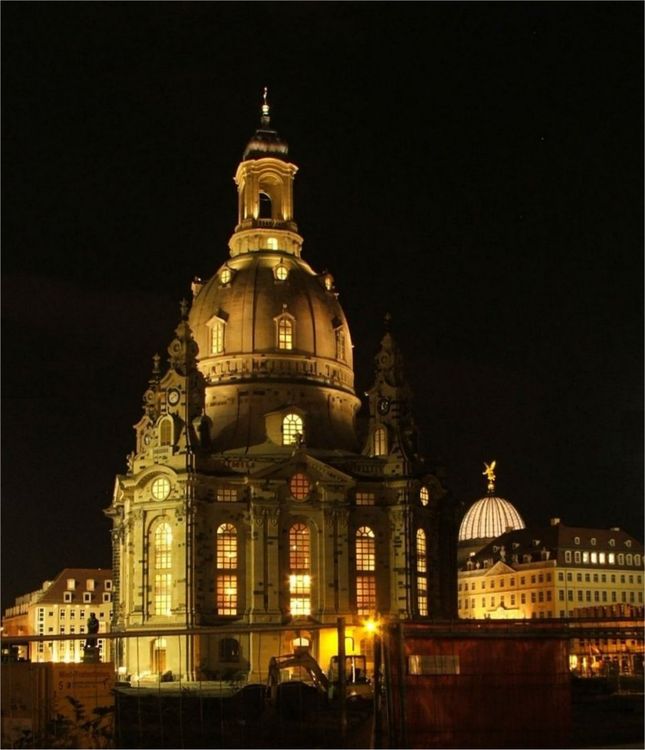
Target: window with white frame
[
  {"x": 285, "y": 332},
  {"x": 292, "y": 428}
]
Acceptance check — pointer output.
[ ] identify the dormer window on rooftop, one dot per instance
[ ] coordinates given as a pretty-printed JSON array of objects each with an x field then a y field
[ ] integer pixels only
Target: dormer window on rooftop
[
  {"x": 225, "y": 275},
  {"x": 285, "y": 331},
  {"x": 328, "y": 281},
  {"x": 217, "y": 328},
  {"x": 292, "y": 429}
]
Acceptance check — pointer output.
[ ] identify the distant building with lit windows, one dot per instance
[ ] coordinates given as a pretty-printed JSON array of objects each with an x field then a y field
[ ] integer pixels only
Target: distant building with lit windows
[
  {"x": 62, "y": 606},
  {"x": 553, "y": 572},
  {"x": 253, "y": 495}
]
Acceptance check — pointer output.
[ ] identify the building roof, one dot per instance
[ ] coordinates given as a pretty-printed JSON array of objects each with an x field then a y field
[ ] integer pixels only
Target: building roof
[
  {"x": 549, "y": 542},
  {"x": 53, "y": 594},
  {"x": 488, "y": 518}
]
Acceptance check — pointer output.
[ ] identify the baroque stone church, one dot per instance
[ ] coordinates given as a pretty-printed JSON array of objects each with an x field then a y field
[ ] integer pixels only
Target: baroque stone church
[{"x": 251, "y": 497}]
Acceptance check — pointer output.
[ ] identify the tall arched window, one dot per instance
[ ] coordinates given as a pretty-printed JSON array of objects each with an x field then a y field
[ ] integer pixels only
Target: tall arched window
[
  {"x": 217, "y": 336},
  {"x": 285, "y": 333},
  {"x": 292, "y": 426},
  {"x": 165, "y": 431},
  {"x": 422, "y": 573},
  {"x": 299, "y": 570},
  {"x": 365, "y": 571},
  {"x": 340, "y": 344},
  {"x": 379, "y": 441},
  {"x": 162, "y": 569},
  {"x": 266, "y": 209},
  {"x": 226, "y": 569}
]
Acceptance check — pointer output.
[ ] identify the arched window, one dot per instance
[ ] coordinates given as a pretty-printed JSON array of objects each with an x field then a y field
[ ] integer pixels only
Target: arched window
[
  {"x": 422, "y": 572},
  {"x": 379, "y": 441},
  {"x": 266, "y": 209},
  {"x": 165, "y": 431},
  {"x": 424, "y": 495},
  {"x": 285, "y": 333},
  {"x": 292, "y": 427},
  {"x": 217, "y": 336},
  {"x": 226, "y": 569},
  {"x": 299, "y": 570},
  {"x": 340, "y": 344},
  {"x": 162, "y": 567},
  {"x": 365, "y": 571}
]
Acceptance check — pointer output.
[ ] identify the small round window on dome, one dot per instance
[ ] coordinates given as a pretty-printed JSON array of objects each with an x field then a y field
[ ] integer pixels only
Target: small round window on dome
[
  {"x": 299, "y": 486},
  {"x": 424, "y": 495},
  {"x": 612, "y": 542},
  {"x": 576, "y": 540},
  {"x": 281, "y": 272},
  {"x": 225, "y": 276},
  {"x": 160, "y": 488},
  {"x": 593, "y": 541}
]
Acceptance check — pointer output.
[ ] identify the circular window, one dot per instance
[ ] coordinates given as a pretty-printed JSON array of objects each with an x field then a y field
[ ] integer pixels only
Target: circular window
[
  {"x": 576, "y": 540},
  {"x": 628, "y": 542},
  {"x": 160, "y": 488},
  {"x": 281, "y": 272},
  {"x": 299, "y": 486},
  {"x": 225, "y": 276},
  {"x": 612, "y": 542},
  {"x": 593, "y": 541},
  {"x": 424, "y": 495}
]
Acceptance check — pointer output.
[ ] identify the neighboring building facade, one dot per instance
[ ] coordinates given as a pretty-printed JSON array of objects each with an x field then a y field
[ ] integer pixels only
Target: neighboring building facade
[
  {"x": 557, "y": 571},
  {"x": 250, "y": 497},
  {"x": 62, "y": 606}
]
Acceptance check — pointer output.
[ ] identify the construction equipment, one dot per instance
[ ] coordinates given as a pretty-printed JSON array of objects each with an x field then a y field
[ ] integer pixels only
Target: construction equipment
[
  {"x": 300, "y": 661},
  {"x": 358, "y": 686}
]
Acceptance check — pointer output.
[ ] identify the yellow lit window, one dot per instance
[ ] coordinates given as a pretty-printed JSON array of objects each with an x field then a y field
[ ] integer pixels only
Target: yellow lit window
[
  {"x": 226, "y": 547},
  {"x": 225, "y": 276},
  {"x": 226, "y": 559},
  {"x": 424, "y": 496},
  {"x": 422, "y": 595},
  {"x": 292, "y": 427},
  {"x": 226, "y": 595},
  {"x": 217, "y": 337},
  {"x": 163, "y": 547},
  {"x": 422, "y": 560},
  {"x": 379, "y": 440},
  {"x": 160, "y": 488},
  {"x": 285, "y": 333},
  {"x": 299, "y": 570},
  {"x": 162, "y": 593},
  {"x": 365, "y": 498},
  {"x": 365, "y": 594},
  {"x": 365, "y": 549},
  {"x": 226, "y": 495}
]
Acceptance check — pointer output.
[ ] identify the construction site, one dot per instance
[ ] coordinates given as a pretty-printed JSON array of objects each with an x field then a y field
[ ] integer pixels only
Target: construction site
[{"x": 452, "y": 684}]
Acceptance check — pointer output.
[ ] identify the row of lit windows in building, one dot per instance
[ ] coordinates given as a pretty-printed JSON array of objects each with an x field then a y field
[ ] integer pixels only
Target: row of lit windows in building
[
  {"x": 64, "y": 614},
  {"x": 536, "y": 597},
  {"x": 299, "y": 574},
  {"x": 501, "y": 582},
  {"x": 285, "y": 336},
  {"x": 280, "y": 270},
  {"x": 602, "y": 577},
  {"x": 602, "y": 558}
]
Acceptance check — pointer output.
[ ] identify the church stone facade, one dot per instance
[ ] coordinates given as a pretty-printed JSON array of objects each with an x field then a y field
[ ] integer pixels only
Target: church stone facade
[{"x": 250, "y": 498}]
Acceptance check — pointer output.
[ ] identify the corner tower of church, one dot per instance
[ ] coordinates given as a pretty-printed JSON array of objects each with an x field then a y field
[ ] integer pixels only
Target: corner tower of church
[{"x": 249, "y": 500}]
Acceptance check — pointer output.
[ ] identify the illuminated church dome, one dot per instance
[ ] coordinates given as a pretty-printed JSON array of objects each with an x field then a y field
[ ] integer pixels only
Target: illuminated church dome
[
  {"x": 490, "y": 516},
  {"x": 270, "y": 330}
]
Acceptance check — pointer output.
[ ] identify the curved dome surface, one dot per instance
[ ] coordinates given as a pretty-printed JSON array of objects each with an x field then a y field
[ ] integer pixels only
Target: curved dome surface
[{"x": 489, "y": 518}]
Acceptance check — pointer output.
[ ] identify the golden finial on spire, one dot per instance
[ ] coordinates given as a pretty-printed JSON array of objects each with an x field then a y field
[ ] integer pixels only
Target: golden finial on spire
[
  {"x": 489, "y": 471},
  {"x": 265, "y": 103}
]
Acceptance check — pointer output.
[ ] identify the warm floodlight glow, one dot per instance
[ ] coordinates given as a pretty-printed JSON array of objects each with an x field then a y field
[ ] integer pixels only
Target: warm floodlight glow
[{"x": 371, "y": 626}]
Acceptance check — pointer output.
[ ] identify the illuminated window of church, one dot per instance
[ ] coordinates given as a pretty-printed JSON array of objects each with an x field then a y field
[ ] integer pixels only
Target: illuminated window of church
[
  {"x": 424, "y": 495},
  {"x": 365, "y": 571},
  {"x": 285, "y": 333},
  {"x": 163, "y": 546},
  {"x": 226, "y": 495},
  {"x": 162, "y": 593},
  {"x": 281, "y": 271},
  {"x": 225, "y": 276},
  {"x": 379, "y": 441},
  {"x": 226, "y": 560},
  {"x": 165, "y": 431},
  {"x": 160, "y": 488},
  {"x": 299, "y": 486},
  {"x": 272, "y": 244},
  {"x": 299, "y": 570},
  {"x": 217, "y": 336},
  {"x": 422, "y": 569},
  {"x": 365, "y": 498},
  {"x": 292, "y": 427},
  {"x": 340, "y": 344}
]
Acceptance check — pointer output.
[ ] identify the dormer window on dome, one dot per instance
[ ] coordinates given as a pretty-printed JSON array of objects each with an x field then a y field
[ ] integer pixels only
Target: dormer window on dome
[
  {"x": 424, "y": 496},
  {"x": 225, "y": 275},
  {"x": 285, "y": 326},
  {"x": 281, "y": 272},
  {"x": 216, "y": 327},
  {"x": 292, "y": 429},
  {"x": 379, "y": 442},
  {"x": 328, "y": 282}
]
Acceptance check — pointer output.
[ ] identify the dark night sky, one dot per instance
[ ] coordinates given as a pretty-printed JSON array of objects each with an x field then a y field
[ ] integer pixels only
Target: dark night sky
[{"x": 475, "y": 169}]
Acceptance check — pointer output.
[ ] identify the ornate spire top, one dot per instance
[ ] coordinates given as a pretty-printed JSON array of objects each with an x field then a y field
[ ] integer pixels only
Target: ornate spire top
[
  {"x": 265, "y": 119},
  {"x": 489, "y": 471},
  {"x": 183, "y": 349},
  {"x": 183, "y": 309},
  {"x": 156, "y": 371}
]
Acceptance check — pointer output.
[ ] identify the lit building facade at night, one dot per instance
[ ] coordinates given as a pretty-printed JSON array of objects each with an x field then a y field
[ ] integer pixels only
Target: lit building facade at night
[
  {"x": 251, "y": 497},
  {"x": 62, "y": 606}
]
